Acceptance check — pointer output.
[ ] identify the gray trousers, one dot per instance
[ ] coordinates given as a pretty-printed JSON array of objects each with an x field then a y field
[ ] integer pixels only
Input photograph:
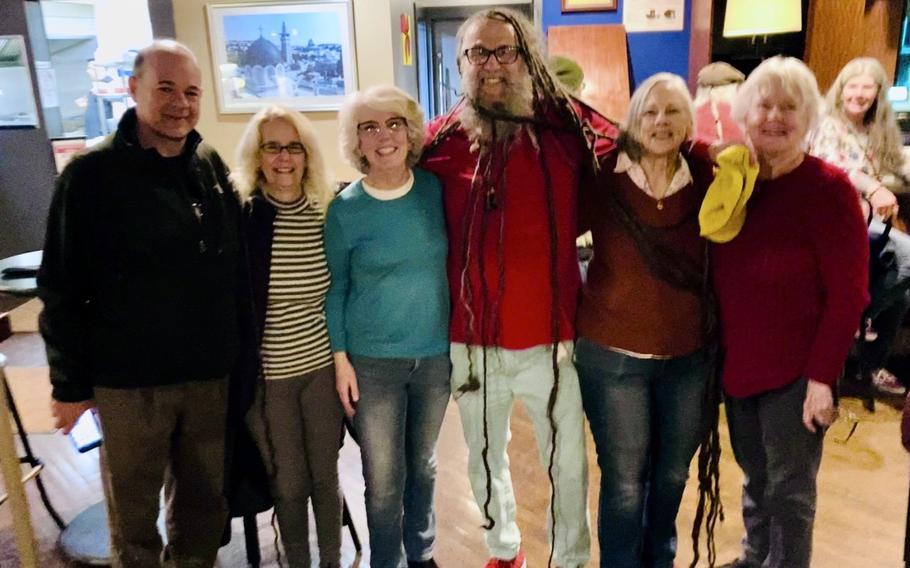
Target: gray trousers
[
  {"x": 173, "y": 435},
  {"x": 780, "y": 461},
  {"x": 297, "y": 423}
]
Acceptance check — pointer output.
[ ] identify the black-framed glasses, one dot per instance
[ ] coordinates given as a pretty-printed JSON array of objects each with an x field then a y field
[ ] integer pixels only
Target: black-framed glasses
[
  {"x": 276, "y": 148},
  {"x": 372, "y": 128},
  {"x": 504, "y": 54}
]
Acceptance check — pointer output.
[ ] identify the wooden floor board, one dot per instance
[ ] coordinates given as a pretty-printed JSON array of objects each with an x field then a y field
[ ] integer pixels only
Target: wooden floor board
[{"x": 862, "y": 501}]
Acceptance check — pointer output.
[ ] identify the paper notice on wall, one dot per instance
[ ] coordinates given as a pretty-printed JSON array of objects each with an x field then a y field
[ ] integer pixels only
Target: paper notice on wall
[
  {"x": 47, "y": 84},
  {"x": 653, "y": 15}
]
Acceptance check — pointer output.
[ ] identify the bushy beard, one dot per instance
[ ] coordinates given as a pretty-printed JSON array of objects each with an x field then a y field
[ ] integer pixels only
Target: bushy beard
[{"x": 479, "y": 126}]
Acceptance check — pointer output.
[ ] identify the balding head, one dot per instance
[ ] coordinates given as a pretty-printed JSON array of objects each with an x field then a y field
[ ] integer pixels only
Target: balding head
[
  {"x": 160, "y": 46},
  {"x": 167, "y": 87}
]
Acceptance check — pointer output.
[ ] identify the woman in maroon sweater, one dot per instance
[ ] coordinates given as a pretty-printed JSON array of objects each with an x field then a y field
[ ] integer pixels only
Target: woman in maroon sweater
[
  {"x": 790, "y": 287},
  {"x": 640, "y": 356}
]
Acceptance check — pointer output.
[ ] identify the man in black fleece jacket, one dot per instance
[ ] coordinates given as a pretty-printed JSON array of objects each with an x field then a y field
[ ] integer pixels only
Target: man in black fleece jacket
[{"x": 141, "y": 278}]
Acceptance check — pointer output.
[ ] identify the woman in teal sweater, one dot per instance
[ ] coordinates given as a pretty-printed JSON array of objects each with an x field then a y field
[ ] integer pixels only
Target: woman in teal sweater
[{"x": 388, "y": 317}]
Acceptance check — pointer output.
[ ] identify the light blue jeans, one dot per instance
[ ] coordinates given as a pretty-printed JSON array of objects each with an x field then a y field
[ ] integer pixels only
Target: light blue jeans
[
  {"x": 527, "y": 375},
  {"x": 646, "y": 418},
  {"x": 399, "y": 415}
]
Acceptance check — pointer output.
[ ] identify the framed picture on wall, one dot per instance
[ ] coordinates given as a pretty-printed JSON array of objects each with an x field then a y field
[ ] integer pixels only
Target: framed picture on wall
[
  {"x": 297, "y": 54},
  {"x": 588, "y": 5}
]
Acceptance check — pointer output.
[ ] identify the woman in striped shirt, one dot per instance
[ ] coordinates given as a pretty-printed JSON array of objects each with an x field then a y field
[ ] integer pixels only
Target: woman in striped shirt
[{"x": 297, "y": 419}]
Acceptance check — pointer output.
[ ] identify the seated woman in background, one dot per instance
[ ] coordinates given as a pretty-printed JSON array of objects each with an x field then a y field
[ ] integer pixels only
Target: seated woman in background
[
  {"x": 790, "y": 287},
  {"x": 388, "y": 316},
  {"x": 643, "y": 354},
  {"x": 297, "y": 420},
  {"x": 859, "y": 134}
]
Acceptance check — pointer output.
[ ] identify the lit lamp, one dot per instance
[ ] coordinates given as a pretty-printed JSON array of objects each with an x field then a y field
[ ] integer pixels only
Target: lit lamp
[{"x": 745, "y": 18}]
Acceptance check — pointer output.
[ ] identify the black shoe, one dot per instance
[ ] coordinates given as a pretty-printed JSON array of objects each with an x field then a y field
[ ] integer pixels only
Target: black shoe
[{"x": 422, "y": 564}]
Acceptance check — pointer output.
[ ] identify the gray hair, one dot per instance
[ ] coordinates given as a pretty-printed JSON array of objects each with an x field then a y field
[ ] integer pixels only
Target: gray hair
[
  {"x": 535, "y": 49},
  {"x": 630, "y": 141},
  {"x": 789, "y": 74},
  {"x": 384, "y": 98},
  {"x": 247, "y": 176}
]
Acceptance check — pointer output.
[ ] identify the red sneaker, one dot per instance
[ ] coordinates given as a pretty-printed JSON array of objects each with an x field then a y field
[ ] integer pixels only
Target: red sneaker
[{"x": 517, "y": 562}]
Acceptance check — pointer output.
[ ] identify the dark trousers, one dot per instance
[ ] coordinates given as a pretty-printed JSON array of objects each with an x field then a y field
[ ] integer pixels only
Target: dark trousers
[
  {"x": 298, "y": 430},
  {"x": 780, "y": 460},
  {"x": 173, "y": 435}
]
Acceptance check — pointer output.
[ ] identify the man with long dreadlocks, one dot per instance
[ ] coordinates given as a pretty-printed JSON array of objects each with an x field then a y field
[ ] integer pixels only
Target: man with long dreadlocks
[{"x": 510, "y": 156}]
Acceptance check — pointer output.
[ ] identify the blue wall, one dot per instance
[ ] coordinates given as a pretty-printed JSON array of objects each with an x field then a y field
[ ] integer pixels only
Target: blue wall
[{"x": 649, "y": 52}]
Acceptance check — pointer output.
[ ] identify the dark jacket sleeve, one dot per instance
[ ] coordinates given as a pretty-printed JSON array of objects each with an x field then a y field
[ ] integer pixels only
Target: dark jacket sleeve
[{"x": 63, "y": 285}]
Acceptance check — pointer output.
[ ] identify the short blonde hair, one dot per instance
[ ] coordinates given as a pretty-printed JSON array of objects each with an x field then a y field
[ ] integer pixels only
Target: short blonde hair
[
  {"x": 630, "y": 141},
  {"x": 247, "y": 176},
  {"x": 383, "y": 98},
  {"x": 788, "y": 73}
]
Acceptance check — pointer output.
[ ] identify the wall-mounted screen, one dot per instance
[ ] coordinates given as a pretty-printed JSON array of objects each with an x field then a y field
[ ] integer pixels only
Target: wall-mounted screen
[{"x": 17, "y": 99}]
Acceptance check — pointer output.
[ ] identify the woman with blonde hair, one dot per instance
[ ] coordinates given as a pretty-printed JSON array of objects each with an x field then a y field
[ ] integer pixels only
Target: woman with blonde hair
[
  {"x": 297, "y": 419},
  {"x": 388, "y": 316},
  {"x": 859, "y": 134}
]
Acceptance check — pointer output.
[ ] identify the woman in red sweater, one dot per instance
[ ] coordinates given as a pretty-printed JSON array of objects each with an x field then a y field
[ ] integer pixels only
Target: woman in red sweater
[
  {"x": 641, "y": 354},
  {"x": 790, "y": 287}
]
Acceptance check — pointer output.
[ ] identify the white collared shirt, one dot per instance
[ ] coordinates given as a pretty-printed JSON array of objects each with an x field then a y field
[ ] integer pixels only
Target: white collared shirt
[{"x": 636, "y": 173}]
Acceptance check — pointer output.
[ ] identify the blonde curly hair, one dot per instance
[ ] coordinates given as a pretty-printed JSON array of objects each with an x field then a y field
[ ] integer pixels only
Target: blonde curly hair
[{"x": 247, "y": 176}]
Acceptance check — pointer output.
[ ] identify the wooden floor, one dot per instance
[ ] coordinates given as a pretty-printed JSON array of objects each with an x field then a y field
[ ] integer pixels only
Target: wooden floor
[{"x": 862, "y": 502}]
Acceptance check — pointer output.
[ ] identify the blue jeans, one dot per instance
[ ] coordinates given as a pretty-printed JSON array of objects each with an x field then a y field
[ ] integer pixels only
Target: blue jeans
[
  {"x": 645, "y": 416},
  {"x": 399, "y": 415}
]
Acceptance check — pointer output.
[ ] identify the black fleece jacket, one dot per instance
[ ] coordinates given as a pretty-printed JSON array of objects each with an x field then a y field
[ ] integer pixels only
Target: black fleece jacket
[{"x": 143, "y": 278}]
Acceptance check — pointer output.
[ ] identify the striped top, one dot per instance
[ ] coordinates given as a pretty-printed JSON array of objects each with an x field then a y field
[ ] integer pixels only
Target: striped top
[{"x": 295, "y": 340}]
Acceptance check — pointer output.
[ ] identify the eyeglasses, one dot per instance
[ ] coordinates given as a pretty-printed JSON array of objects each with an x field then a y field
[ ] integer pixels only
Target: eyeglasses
[
  {"x": 372, "y": 128},
  {"x": 276, "y": 148},
  {"x": 505, "y": 54}
]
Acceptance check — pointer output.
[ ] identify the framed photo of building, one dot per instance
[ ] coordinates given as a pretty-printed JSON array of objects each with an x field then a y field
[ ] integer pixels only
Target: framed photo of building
[{"x": 297, "y": 54}]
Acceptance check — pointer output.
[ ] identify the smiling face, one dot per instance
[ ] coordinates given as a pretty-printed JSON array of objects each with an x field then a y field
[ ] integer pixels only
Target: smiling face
[
  {"x": 282, "y": 173},
  {"x": 167, "y": 93},
  {"x": 492, "y": 84},
  {"x": 775, "y": 123},
  {"x": 383, "y": 140},
  {"x": 858, "y": 96},
  {"x": 665, "y": 121}
]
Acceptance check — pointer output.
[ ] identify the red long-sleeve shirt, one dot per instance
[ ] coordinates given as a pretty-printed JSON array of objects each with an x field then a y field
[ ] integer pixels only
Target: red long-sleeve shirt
[
  {"x": 792, "y": 285},
  {"x": 511, "y": 242}
]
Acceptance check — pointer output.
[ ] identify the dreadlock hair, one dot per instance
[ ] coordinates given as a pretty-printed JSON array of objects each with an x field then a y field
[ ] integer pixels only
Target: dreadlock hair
[
  {"x": 551, "y": 109},
  {"x": 682, "y": 273}
]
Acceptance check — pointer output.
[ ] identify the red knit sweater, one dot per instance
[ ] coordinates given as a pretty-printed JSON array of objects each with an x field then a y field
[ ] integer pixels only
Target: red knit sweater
[
  {"x": 792, "y": 285},
  {"x": 624, "y": 304},
  {"x": 513, "y": 309}
]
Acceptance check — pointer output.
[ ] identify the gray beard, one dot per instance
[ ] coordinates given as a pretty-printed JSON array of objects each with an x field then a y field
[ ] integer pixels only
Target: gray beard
[{"x": 480, "y": 128}]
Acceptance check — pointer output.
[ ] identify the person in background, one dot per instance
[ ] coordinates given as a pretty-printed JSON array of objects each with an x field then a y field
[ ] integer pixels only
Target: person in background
[
  {"x": 643, "y": 352},
  {"x": 717, "y": 85},
  {"x": 388, "y": 317},
  {"x": 510, "y": 156},
  {"x": 297, "y": 419},
  {"x": 790, "y": 287},
  {"x": 143, "y": 281},
  {"x": 859, "y": 134}
]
